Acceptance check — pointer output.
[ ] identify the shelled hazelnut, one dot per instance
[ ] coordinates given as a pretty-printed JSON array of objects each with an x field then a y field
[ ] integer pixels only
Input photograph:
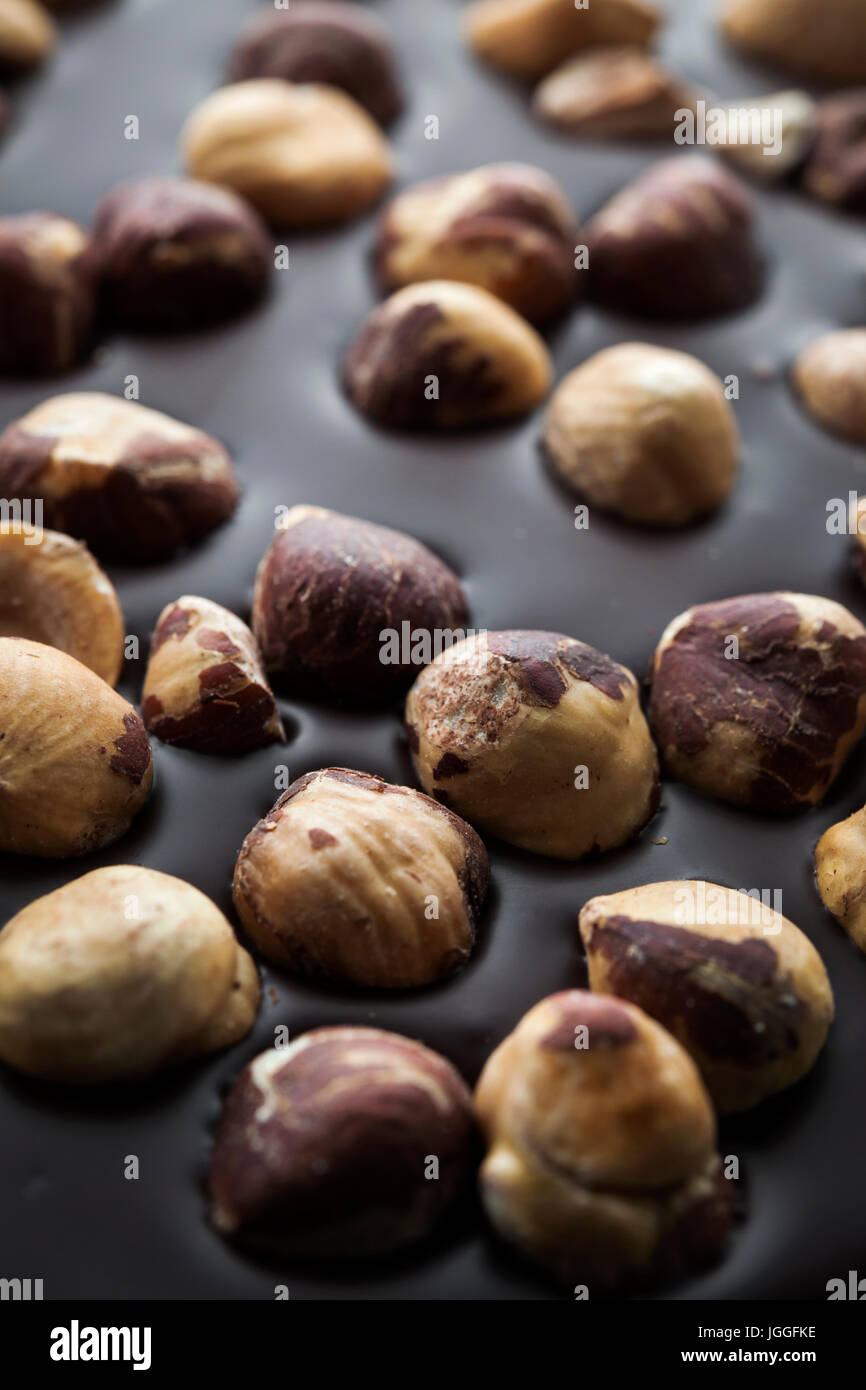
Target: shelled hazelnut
[
  {"x": 615, "y": 94},
  {"x": 840, "y": 872},
  {"x": 835, "y": 171},
  {"x": 329, "y": 592},
  {"x": 352, "y": 879},
  {"x": 794, "y": 112},
  {"x": 536, "y": 738},
  {"x": 830, "y": 377},
  {"x": 130, "y": 481},
  {"x": 340, "y": 45},
  {"x": 325, "y": 1147},
  {"x": 444, "y": 355},
  {"x": 75, "y": 764},
  {"x": 758, "y": 700},
  {"x": 119, "y": 974},
  {"x": 47, "y": 294},
  {"x": 506, "y": 227},
  {"x": 205, "y": 687},
  {"x": 303, "y": 154},
  {"x": 53, "y": 591},
  {"x": 601, "y": 1163},
  {"x": 676, "y": 243},
  {"x": 645, "y": 432},
  {"x": 734, "y": 981},
  {"x": 527, "y": 38},
  {"x": 27, "y": 35},
  {"x": 826, "y": 41}
]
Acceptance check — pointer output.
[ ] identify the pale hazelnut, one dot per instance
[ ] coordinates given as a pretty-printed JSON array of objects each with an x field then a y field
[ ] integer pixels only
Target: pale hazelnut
[
  {"x": 613, "y": 94},
  {"x": 27, "y": 35},
  {"x": 792, "y": 117},
  {"x": 826, "y": 41},
  {"x": 527, "y": 38},
  {"x": 840, "y": 872},
  {"x": 830, "y": 376},
  {"x": 47, "y": 294}
]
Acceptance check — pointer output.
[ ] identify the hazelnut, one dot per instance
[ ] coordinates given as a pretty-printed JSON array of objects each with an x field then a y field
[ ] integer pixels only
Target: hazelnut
[
  {"x": 75, "y": 763},
  {"x": 613, "y": 93},
  {"x": 527, "y": 38},
  {"x": 332, "y": 590},
  {"x": 840, "y": 871},
  {"x": 758, "y": 700},
  {"x": 826, "y": 41},
  {"x": 676, "y": 243},
  {"x": 118, "y": 974},
  {"x": 174, "y": 254},
  {"x": 340, "y": 45},
  {"x": 601, "y": 1163},
  {"x": 506, "y": 227},
  {"x": 131, "y": 482},
  {"x": 645, "y": 432},
  {"x": 796, "y": 114},
  {"x": 53, "y": 591},
  {"x": 835, "y": 171},
  {"x": 205, "y": 687},
  {"x": 830, "y": 376},
  {"x": 47, "y": 299},
  {"x": 302, "y": 154},
  {"x": 27, "y": 35},
  {"x": 735, "y": 982},
  {"x": 536, "y": 738},
  {"x": 352, "y": 879},
  {"x": 325, "y": 1147},
  {"x": 441, "y": 355}
]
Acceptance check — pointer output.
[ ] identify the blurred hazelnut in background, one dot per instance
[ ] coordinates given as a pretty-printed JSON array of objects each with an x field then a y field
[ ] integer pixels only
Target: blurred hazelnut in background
[
  {"x": 830, "y": 377},
  {"x": 825, "y": 41},
  {"x": 835, "y": 171},
  {"x": 27, "y": 35},
  {"x": 792, "y": 117},
  {"x": 47, "y": 294},
  {"x": 613, "y": 94},
  {"x": 528, "y": 38}
]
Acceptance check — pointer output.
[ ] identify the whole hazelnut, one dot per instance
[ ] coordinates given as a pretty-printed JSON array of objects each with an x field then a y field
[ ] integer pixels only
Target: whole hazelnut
[
  {"x": 175, "y": 254},
  {"x": 53, "y": 591},
  {"x": 506, "y": 227},
  {"x": 325, "y": 1147},
  {"x": 344, "y": 609},
  {"x": 118, "y": 974},
  {"x": 613, "y": 93},
  {"x": 340, "y": 45},
  {"x": 601, "y": 1163},
  {"x": 351, "y": 879},
  {"x": 645, "y": 432},
  {"x": 527, "y": 38},
  {"x": 792, "y": 116},
  {"x": 840, "y": 872},
  {"x": 676, "y": 243},
  {"x": 536, "y": 738},
  {"x": 205, "y": 687},
  {"x": 442, "y": 355},
  {"x": 830, "y": 376},
  {"x": 835, "y": 171},
  {"x": 47, "y": 297},
  {"x": 303, "y": 154},
  {"x": 826, "y": 41},
  {"x": 758, "y": 700},
  {"x": 130, "y": 481},
  {"x": 27, "y": 35},
  {"x": 734, "y": 981},
  {"x": 75, "y": 764}
]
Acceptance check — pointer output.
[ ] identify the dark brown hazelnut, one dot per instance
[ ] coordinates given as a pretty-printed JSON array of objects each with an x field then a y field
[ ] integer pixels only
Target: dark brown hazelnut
[
  {"x": 536, "y": 738},
  {"x": 444, "y": 355},
  {"x": 348, "y": 1142},
  {"x": 840, "y": 872},
  {"x": 601, "y": 1162},
  {"x": 352, "y": 879},
  {"x": 340, "y": 45},
  {"x": 826, "y": 41},
  {"x": 677, "y": 243},
  {"x": 205, "y": 687},
  {"x": 176, "y": 254},
  {"x": 758, "y": 700},
  {"x": 613, "y": 94},
  {"x": 27, "y": 35},
  {"x": 835, "y": 171},
  {"x": 347, "y": 610},
  {"x": 790, "y": 116},
  {"x": 735, "y": 982},
  {"x": 527, "y": 38},
  {"x": 131, "y": 482},
  {"x": 506, "y": 227},
  {"x": 47, "y": 294},
  {"x": 830, "y": 377}
]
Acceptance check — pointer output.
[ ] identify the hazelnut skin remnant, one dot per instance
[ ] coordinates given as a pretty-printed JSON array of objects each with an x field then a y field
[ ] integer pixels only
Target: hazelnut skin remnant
[
  {"x": 601, "y": 1162},
  {"x": 329, "y": 589},
  {"x": 613, "y": 94},
  {"x": 205, "y": 687},
  {"x": 826, "y": 41},
  {"x": 340, "y": 45},
  {"x": 676, "y": 243},
  {"x": 527, "y": 38},
  {"x": 53, "y": 591},
  {"x": 303, "y": 154},
  {"x": 47, "y": 294},
  {"x": 506, "y": 227},
  {"x": 75, "y": 764},
  {"x": 130, "y": 481},
  {"x": 444, "y": 355},
  {"x": 324, "y": 1146},
  {"x": 27, "y": 35},
  {"x": 645, "y": 432},
  {"x": 735, "y": 982},
  {"x": 758, "y": 700},
  {"x": 536, "y": 738},
  {"x": 830, "y": 376},
  {"x": 835, "y": 171},
  {"x": 118, "y": 974},
  {"x": 176, "y": 254},
  {"x": 352, "y": 879},
  {"x": 840, "y": 872}
]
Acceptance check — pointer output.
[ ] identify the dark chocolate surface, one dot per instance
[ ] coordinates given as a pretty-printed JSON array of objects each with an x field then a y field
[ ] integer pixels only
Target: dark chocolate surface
[{"x": 268, "y": 386}]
